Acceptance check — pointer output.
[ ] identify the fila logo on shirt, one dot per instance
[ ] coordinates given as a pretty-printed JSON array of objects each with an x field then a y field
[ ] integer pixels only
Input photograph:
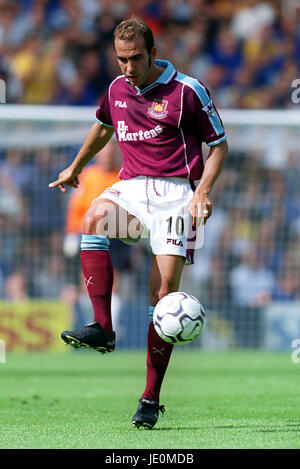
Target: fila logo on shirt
[
  {"x": 120, "y": 104},
  {"x": 125, "y": 136}
]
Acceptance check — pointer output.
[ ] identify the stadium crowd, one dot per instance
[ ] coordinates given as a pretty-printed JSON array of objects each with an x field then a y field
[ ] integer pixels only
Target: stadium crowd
[{"x": 60, "y": 52}]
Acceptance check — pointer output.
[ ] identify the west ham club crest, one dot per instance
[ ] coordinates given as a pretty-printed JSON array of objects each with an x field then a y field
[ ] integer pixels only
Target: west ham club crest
[{"x": 158, "y": 109}]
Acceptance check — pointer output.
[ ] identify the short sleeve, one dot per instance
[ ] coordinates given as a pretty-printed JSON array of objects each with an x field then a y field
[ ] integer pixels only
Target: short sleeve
[
  {"x": 201, "y": 115},
  {"x": 103, "y": 112},
  {"x": 211, "y": 125}
]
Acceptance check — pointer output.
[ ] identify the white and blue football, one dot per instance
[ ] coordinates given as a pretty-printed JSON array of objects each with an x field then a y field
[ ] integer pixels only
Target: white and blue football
[{"x": 178, "y": 318}]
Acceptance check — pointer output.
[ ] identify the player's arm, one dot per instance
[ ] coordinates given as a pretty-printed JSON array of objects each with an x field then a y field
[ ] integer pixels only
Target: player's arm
[
  {"x": 212, "y": 168},
  {"x": 97, "y": 138}
]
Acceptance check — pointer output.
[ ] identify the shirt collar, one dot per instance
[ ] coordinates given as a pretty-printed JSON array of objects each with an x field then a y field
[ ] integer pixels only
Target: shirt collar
[{"x": 165, "y": 76}]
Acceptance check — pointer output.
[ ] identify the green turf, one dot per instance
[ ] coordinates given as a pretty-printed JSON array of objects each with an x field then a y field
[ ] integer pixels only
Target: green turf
[{"x": 82, "y": 399}]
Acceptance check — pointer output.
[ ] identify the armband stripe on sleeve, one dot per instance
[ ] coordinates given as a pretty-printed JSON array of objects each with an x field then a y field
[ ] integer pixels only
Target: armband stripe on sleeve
[
  {"x": 103, "y": 123},
  {"x": 216, "y": 142}
]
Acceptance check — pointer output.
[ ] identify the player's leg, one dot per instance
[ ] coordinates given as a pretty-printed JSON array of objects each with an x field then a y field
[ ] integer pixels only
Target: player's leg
[
  {"x": 164, "y": 278},
  {"x": 100, "y": 223}
]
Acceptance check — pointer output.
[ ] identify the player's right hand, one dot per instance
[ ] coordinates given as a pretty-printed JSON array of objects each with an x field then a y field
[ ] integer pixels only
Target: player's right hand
[{"x": 68, "y": 177}]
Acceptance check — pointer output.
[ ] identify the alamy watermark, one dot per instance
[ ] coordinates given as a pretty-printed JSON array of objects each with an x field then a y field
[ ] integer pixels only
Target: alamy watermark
[
  {"x": 296, "y": 353},
  {"x": 296, "y": 93},
  {"x": 171, "y": 228},
  {"x": 2, "y": 92},
  {"x": 2, "y": 351}
]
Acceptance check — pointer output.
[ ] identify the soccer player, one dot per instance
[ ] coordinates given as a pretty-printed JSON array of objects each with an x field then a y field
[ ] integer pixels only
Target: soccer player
[{"x": 160, "y": 117}]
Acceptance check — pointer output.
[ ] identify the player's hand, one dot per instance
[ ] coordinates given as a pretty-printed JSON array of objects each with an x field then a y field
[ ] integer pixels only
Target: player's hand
[
  {"x": 200, "y": 208},
  {"x": 68, "y": 177}
]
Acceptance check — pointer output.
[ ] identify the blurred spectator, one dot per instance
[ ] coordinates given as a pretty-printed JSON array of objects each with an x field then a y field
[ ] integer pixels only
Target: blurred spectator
[
  {"x": 14, "y": 221},
  {"x": 251, "y": 282},
  {"x": 50, "y": 280},
  {"x": 227, "y": 53},
  {"x": 15, "y": 287},
  {"x": 254, "y": 16},
  {"x": 12, "y": 207},
  {"x": 35, "y": 67},
  {"x": 11, "y": 32},
  {"x": 46, "y": 209},
  {"x": 252, "y": 285},
  {"x": 61, "y": 52},
  {"x": 76, "y": 94},
  {"x": 287, "y": 288},
  {"x": 16, "y": 168},
  {"x": 1, "y": 283}
]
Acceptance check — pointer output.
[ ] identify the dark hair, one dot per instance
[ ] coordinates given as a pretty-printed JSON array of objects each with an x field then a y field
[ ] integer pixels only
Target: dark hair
[{"x": 131, "y": 29}]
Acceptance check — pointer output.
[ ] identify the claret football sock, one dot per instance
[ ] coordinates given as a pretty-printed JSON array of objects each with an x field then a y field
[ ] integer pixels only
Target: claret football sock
[
  {"x": 158, "y": 356},
  {"x": 98, "y": 275}
]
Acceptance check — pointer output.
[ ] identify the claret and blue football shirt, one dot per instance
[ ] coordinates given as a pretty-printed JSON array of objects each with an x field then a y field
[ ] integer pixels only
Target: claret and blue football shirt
[{"x": 161, "y": 128}]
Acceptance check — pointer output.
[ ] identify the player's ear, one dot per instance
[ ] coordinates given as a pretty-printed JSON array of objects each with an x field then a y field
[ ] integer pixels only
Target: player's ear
[{"x": 153, "y": 54}]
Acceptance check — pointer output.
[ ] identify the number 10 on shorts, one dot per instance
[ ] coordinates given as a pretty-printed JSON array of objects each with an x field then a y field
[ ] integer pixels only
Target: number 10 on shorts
[{"x": 180, "y": 230}]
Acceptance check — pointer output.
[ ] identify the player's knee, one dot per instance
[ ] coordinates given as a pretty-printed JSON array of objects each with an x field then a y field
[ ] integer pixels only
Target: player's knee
[
  {"x": 95, "y": 219},
  {"x": 89, "y": 224}
]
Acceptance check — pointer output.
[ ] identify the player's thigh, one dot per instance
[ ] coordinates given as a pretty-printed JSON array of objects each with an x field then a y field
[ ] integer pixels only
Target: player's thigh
[
  {"x": 105, "y": 217},
  {"x": 165, "y": 275}
]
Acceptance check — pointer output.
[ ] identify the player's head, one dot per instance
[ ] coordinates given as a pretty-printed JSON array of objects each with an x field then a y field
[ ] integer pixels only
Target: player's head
[{"x": 134, "y": 46}]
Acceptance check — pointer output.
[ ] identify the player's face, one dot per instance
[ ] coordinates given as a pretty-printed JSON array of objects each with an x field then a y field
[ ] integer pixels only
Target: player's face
[{"x": 135, "y": 61}]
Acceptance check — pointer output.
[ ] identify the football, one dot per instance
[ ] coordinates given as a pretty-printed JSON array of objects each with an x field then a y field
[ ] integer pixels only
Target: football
[{"x": 178, "y": 318}]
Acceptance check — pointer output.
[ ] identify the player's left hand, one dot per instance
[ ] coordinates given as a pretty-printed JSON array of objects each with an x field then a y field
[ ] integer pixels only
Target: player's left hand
[{"x": 200, "y": 208}]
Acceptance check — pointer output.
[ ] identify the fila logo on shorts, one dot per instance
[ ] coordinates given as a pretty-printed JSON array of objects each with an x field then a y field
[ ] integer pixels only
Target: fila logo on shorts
[
  {"x": 176, "y": 242},
  {"x": 120, "y": 104},
  {"x": 125, "y": 136}
]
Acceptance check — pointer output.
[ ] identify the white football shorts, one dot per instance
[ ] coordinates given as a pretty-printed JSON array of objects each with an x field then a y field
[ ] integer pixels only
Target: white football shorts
[{"x": 161, "y": 205}]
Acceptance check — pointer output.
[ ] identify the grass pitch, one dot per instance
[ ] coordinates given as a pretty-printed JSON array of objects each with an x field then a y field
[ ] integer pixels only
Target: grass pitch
[{"x": 81, "y": 399}]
